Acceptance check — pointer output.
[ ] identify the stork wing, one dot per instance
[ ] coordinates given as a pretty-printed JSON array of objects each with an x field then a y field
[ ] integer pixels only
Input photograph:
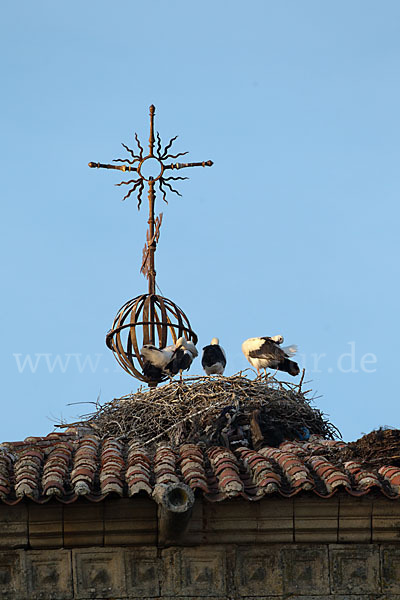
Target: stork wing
[{"x": 268, "y": 349}]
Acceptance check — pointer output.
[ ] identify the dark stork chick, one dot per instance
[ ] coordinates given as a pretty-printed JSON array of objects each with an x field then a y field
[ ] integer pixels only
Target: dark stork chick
[
  {"x": 265, "y": 353},
  {"x": 214, "y": 359},
  {"x": 182, "y": 357},
  {"x": 155, "y": 360}
]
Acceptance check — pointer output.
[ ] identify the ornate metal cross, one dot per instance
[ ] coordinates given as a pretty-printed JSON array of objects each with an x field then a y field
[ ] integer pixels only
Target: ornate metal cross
[{"x": 140, "y": 164}]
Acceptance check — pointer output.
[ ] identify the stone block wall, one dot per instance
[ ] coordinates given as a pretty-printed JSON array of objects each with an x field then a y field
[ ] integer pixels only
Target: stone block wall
[
  {"x": 306, "y": 548},
  {"x": 270, "y": 572}
]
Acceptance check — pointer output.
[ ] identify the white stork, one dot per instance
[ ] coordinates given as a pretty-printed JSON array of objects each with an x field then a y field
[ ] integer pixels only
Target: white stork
[
  {"x": 265, "y": 352},
  {"x": 182, "y": 357},
  {"x": 155, "y": 360},
  {"x": 214, "y": 358}
]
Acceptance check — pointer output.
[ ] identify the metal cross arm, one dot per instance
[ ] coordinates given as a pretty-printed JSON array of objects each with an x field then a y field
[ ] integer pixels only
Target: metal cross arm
[
  {"x": 208, "y": 163},
  {"x": 98, "y": 165}
]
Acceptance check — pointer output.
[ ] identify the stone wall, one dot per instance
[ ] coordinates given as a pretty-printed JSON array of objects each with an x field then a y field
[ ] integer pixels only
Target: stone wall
[
  {"x": 320, "y": 571},
  {"x": 339, "y": 548}
]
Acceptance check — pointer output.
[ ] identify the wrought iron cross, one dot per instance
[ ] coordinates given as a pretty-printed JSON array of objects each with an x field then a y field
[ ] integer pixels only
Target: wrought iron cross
[{"x": 139, "y": 164}]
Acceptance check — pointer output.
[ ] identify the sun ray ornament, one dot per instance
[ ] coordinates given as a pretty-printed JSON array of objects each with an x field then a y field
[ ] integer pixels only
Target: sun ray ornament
[{"x": 148, "y": 318}]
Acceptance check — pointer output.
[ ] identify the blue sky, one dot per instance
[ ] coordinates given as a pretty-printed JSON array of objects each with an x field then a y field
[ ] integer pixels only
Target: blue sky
[{"x": 294, "y": 230}]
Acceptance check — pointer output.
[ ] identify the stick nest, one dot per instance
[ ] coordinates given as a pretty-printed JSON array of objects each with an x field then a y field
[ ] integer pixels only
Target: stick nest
[
  {"x": 230, "y": 411},
  {"x": 378, "y": 448}
]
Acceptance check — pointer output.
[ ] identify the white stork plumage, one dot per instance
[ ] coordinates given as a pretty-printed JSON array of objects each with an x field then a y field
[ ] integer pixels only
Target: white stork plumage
[
  {"x": 182, "y": 357},
  {"x": 155, "y": 360},
  {"x": 265, "y": 352},
  {"x": 213, "y": 360}
]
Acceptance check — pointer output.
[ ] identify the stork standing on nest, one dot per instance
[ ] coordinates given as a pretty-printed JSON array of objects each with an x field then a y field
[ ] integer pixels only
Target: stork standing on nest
[
  {"x": 214, "y": 358},
  {"x": 266, "y": 353},
  {"x": 155, "y": 360},
  {"x": 182, "y": 357}
]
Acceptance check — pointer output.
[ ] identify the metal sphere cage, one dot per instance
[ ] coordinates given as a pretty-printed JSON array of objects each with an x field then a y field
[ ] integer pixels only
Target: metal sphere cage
[{"x": 146, "y": 319}]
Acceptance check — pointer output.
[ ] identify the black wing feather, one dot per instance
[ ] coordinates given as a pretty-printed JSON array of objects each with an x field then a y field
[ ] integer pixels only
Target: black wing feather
[
  {"x": 212, "y": 354},
  {"x": 268, "y": 349}
]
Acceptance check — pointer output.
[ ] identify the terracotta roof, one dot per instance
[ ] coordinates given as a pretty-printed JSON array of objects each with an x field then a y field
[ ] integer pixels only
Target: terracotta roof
[{"x": 75, "y": 464}]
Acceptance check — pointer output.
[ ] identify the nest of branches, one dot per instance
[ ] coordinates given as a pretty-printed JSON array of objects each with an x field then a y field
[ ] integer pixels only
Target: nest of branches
[
  {"x": 380, "y": 447},
  {"x": 218, "y": 410}
]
